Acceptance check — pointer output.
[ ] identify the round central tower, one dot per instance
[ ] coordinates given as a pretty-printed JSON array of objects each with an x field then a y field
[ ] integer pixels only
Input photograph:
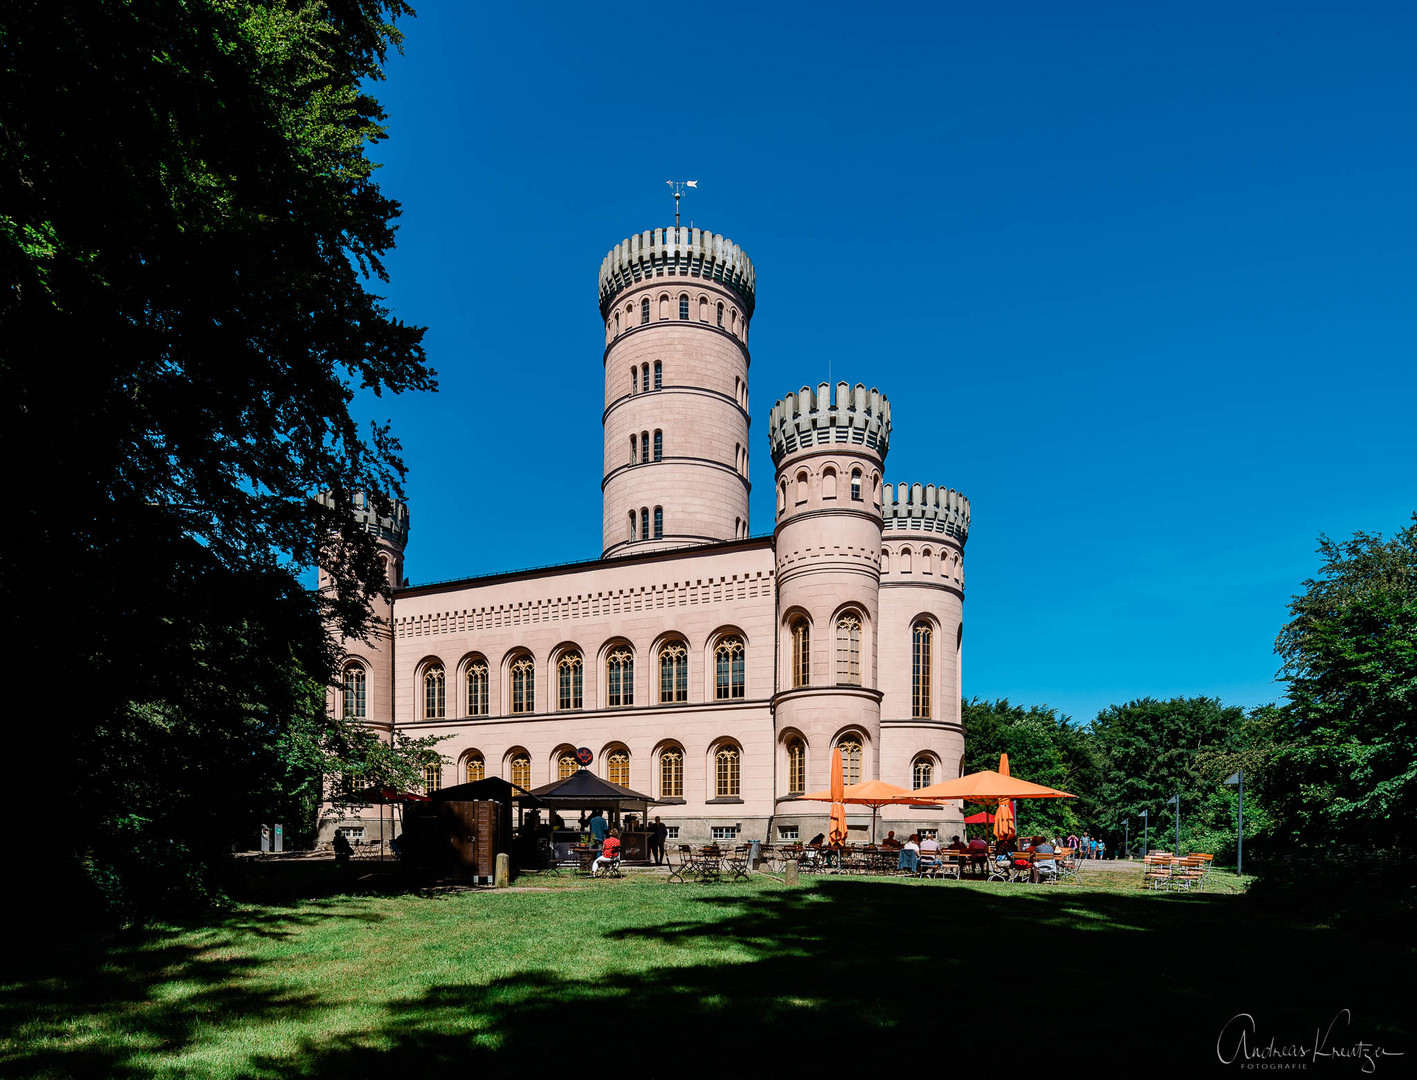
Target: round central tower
[{"x": 676, "y": 304}]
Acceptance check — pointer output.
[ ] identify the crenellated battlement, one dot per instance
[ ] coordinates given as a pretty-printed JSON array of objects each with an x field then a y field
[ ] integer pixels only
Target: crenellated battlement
[
  {"x": 393, "y": 529},
  {"x": 852, "y": 415},
  {"x": 677, "y": 251},
  {"x": 927, "y": 509}
]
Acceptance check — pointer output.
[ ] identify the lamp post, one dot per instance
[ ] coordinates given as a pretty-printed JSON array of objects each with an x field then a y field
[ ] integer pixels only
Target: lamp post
[
  {"x": 1145, "y": 832},
  {"x": 1175, "y": 801},
  {"x": 1127, "y": 843},
  {"x": 1238, "y": 781}
]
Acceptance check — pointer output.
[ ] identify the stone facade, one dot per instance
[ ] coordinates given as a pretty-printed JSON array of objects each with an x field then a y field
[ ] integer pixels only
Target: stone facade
[{"x": 711, "y": 670}]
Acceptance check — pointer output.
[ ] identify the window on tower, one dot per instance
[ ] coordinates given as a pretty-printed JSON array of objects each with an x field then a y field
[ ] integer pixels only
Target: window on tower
[
  {"x": 634, "y": 449},
  {"x": 848, "y": 650},
  {"x": 801, "y": 653},
  {"x": 634, "y": 380},
  {"x": 644, "y": 523},
  {"x": 658, "y": 375},
  {"x": 720, "y": 314},
  {"x": 644, "y": 311},
  {"x": 856, "y": 485},
  {"x": 658, "y": 446},
  {"x": 920, "y": 671},
  {"x": 659, "y": 523},
  {"x": 684, "y": 307}
]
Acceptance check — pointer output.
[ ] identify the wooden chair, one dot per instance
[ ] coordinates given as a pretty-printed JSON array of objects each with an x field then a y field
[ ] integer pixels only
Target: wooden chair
[{"x": 1156, "y": 870}]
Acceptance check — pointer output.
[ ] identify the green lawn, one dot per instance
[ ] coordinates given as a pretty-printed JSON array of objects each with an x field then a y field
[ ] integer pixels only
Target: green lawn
[{"x": 691, "y": 978}]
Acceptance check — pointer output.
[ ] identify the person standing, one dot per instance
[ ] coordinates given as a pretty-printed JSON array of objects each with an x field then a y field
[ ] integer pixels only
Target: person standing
[
  {"x": 1073, "y": 843},
  {"x": 658, "y": 832}
]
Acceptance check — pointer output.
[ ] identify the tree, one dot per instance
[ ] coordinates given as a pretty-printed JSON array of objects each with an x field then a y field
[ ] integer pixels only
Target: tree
[
  {"x": 1348, "y": 759},
  {"x": 1041, "y": 748},
  {"x": 188, "y": 226}
]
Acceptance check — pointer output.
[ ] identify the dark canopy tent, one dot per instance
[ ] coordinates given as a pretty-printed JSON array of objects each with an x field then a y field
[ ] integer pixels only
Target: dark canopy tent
[{"x": 583, "y": 790}]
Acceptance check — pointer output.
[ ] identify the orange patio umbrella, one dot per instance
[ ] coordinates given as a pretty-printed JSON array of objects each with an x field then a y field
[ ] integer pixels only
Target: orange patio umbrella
[
  {"x": 987, "y": 786},
  {"x": 872, "y": 793},
  {"x": 836, "y": 831},
  {"x": 1004, "y": 817}
]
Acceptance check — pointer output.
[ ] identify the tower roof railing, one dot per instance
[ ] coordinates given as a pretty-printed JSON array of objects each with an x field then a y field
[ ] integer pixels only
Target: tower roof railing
[{"x": 682, "y": 252}]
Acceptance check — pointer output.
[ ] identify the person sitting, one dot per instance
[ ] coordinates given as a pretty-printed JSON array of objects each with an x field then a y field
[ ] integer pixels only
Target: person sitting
[
  {"x": 609, "y": 853},
  {"x": 343, "y": 848},
  {"x": 1003, "y": 848},
  {"x": 909, "y": 855},
  {"x": 978, "y": 854},
  {"x": 929, "y": 853},
  {"x": 1043, "y": 863},
  {"x": 891, "y": 842},
  {"x": 956, "y": 844}
]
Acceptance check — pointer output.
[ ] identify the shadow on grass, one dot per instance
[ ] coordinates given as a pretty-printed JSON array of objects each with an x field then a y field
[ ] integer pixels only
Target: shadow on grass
[{"x": 833, "y": 974}]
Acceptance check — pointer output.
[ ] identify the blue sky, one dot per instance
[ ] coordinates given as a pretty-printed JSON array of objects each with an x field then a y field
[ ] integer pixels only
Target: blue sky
[{"x": 1139, "y": 280}]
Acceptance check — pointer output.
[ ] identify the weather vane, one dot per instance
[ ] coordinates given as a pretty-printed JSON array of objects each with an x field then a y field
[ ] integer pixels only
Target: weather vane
[{"x": 679, "y": 186}]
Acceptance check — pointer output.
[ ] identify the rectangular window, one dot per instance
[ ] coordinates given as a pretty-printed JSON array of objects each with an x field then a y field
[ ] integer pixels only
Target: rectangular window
[
  {"x": 351, "y": 832},
  {"x": 928, "y": 834},
  {"x": 789, "y": 832},
  {"x": 673, "y": 833},
  {"x": 725, "y": 832}
]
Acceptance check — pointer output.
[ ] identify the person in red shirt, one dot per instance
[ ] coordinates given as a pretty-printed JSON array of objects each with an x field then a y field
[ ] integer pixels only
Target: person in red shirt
[{"x": 609, "y": 852}]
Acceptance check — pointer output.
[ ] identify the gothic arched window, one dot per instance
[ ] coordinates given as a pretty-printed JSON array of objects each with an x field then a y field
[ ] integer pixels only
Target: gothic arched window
[
  {"x": 477, "y": 703},
  {"x": 920, "y": 671},
  {"x": 922, "y": 773},
  {"x": 848, "y": 650},
  {"x": 671, "y": 773},
  {"x": 475, "y": 768},
  {"x": 673, "y": 673},
  {"x": 435, "y": 698},
  {"x": 432, "y": 778},
  {"x": 523, "y": 685},
  {"x": 355, "y": 702},
  {"x": 620, "y": 677},
  {"x": 728, "y": 668},
  {"x": 521, "y": 771},
  {"x": 569, "y": 680},
  {"x": 726, "y": 769},
  {"x": 801, "y": 653},
  {"x": 566, "y": 764},
  {"x": 850, "y": 748},
  {"x": 617, "y": 767},
  {"x": 796, "y": 766}
]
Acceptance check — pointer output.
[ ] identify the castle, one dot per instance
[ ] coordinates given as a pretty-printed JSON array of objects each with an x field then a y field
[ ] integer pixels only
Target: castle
[{"x": 709, "y": 669}]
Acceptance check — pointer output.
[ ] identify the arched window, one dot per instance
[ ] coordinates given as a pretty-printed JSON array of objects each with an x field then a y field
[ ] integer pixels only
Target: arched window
[
  {"x": 728, "y": 668},
  {"x": 617, "y": 767},
  {"x": 850, "y": 747},
  {"x": 644, "y": 377},
  {"x": 905, "y": 560},
  {"x": 920, "y": 672},
  {"x": 801, "y": 653},
  {"x": 671, "y": 774},
  {"x": 684, "y": 306},
  {"x": 926, "y": 559},
  {"x": 432, "y": 778},
  {"x": 523, "y": 685},
  {"x": 617, "y": 324},
  {"x": 634, "y": 449},
  {"x": 782, "y": 497},
  {"x": 659, "y": 446},
  {"x": 720, "y": 314},
  {"x": 634, "y": 380},
  {"x": 644, "y": 523},
  {"x": 658, "y": 375},
  {"x": 659, "y": 523},
  {"x": 673, "y": 672},
  {"x": 663, "y": 308},
  {"x": 856, "y": 485},
  {"x": 848, "y": 650},
  {"x": 644, "y": 446},
  {"x": 726, "y": 762},
  {"x": 922, "y": 773},
  {"x": 630, "y": 532},
  {"x": 644, "y": 311},
  {"x": 801, "y": 487},
  {"x": 475, "y": 768},
  {"x": 435, "y": 698},
  {"x": 620, "y": 677},
  {"x": 703, "y": 309},
  {"x": 477, "y": 702},
  {"x": 796, "y": 766},
  {"x": 356, "y": 702},
  {"x": 521, "y": 770},
  {"x": 568, "y": 680},
  {"x": 566, "y": 764},
  {"x": 829, "y": 483}
]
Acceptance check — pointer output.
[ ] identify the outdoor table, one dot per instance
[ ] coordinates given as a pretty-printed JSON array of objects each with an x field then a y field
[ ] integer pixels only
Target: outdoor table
[{"x": 709, "y": 865}]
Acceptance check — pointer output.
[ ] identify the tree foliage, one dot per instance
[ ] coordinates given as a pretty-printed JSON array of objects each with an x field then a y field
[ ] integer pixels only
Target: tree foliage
[
  {"x": 188, "y": 229},
  {"x": 1348, "y": 759}
]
